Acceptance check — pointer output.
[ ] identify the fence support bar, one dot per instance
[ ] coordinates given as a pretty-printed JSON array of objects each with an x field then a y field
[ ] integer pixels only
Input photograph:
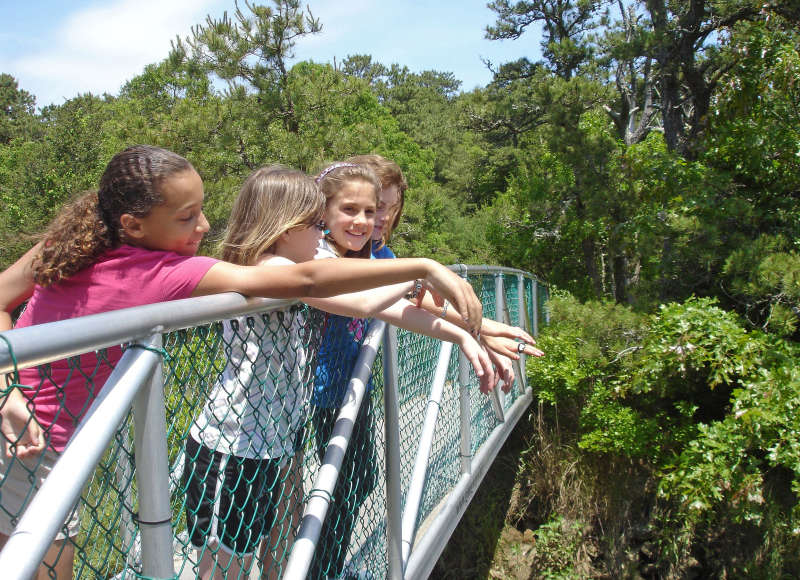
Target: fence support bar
[
  {"x": 325, "y": 482},
  {"x": 465, "y": 414},
  {"x": 394, "y": 490},
  {"x": 430, "y": 547},
  {"x": 497, "y": 396},
  {"x": 50, "y": 507},
  {"x": 419, "y": 475},
  {"x": 152, "y": 474},
  {"x": 525, "y": 325}
]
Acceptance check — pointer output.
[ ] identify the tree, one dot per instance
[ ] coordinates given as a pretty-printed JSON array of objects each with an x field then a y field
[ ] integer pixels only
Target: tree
[
  {"x": 673, "y": 46},
  {"x": 16, "y": 109},
  {"x": 566, "y": 45},
  {"x": 250, "y": 53}
]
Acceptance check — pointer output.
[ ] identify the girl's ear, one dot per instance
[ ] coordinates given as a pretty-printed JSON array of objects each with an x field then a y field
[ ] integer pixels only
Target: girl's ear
[{"x": 131, "y": 226}]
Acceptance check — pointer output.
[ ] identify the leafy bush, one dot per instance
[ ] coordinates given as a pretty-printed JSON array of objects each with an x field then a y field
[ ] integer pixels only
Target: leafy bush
[{"x": 709, "y": 407}]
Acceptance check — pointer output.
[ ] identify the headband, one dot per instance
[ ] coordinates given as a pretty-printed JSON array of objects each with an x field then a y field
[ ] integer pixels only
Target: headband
[{"x": 330, "y": 168}]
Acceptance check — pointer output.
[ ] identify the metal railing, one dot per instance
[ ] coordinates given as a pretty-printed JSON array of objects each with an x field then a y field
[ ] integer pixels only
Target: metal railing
[{"x": 423, "y": 391}]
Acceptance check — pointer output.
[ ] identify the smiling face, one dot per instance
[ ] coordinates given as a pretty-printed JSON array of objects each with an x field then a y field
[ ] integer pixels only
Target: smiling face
[
  {"x": 177, "y": 225},
  {"x": 387, "y": 208},
  {"x": 350, "y": 215}
]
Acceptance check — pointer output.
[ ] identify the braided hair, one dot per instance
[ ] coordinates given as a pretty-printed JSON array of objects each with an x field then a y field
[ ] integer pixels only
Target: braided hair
[{"x": 90, "y": 225}]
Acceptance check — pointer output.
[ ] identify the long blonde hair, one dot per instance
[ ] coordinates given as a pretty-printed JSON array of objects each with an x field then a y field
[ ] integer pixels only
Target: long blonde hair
[
  {"x": 272, "y": 200},
  {"x": 332, "y": 180}
]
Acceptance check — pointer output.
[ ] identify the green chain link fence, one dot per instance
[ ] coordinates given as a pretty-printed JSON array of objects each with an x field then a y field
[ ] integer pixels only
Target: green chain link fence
[{"x": 268, "y": 447}]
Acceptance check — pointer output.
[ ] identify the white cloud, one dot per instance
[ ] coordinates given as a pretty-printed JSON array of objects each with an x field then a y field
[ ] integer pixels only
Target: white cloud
[
  {"x": 100, "y": 44},
  {"x": 98, "y": 48}
]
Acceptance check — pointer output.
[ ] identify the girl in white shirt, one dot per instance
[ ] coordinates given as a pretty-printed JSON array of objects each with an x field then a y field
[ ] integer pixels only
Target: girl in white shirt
[{"x": 243, "y": 448}]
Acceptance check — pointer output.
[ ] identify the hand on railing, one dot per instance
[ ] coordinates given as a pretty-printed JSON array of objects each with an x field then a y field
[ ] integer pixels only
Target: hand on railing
[
  {"x": 503, "y": 350},
  {"x": 22, "y": 435}
]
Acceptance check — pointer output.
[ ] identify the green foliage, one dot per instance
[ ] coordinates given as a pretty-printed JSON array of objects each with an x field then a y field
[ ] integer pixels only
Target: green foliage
[
  {"x": 557, "y": 542},
  {"x": 765, "y": 278},
  {"x": 586, "y": 345},
  {"x": 17, "y": 118},
  {"x": 708, "y": 405},
  {"x": 743, "y": 472}
]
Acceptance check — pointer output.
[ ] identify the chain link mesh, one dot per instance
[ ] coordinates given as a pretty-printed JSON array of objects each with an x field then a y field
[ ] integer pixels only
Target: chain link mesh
[{"x": 245, "y": 436}]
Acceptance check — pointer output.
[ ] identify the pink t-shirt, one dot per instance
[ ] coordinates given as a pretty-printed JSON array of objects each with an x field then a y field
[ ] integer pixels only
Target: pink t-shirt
[{"x": 124, "y": 277}]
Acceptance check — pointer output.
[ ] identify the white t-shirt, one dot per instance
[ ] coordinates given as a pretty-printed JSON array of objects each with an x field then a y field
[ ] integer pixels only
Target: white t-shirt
[{"x": 261, "y": 399}]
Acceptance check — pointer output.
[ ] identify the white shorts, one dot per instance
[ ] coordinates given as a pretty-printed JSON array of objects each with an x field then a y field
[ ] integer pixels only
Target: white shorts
[{"x": 19, "y": 481}]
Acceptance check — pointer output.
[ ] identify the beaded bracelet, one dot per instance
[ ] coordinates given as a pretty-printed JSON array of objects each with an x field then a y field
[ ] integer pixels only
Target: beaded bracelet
[{"x": 417, "y": 289}]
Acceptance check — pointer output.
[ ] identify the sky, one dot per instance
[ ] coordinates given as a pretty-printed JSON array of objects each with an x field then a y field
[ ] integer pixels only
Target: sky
[{"x": 57, "y": 49}]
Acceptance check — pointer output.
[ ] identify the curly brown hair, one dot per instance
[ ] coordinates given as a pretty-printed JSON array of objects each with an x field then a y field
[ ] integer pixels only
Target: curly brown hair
[{"x": 90, "y": 225}]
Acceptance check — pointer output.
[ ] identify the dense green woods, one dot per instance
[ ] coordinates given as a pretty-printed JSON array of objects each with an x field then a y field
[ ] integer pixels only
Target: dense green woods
[{"x": 648, "y": 167}]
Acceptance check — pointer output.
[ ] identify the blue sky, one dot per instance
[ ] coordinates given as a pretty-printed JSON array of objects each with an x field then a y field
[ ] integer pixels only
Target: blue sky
[{"x": 57, "y": 49}]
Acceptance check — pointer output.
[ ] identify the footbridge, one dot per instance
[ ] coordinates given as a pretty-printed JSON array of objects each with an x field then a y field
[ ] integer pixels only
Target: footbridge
[{"x": 431, "y": 438}]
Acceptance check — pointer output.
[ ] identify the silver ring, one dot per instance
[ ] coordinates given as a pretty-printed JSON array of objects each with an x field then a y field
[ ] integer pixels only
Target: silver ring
[{"x": 520, "y": 347}]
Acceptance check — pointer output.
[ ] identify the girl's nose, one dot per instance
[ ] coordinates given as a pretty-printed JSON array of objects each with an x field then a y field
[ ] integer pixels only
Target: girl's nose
[{"x": 202, "y": 223}]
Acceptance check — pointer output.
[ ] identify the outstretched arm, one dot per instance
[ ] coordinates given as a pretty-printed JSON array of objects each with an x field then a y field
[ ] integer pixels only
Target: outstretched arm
[
  {"x": 364, "y": 304},
  {"x": 489, "y": 327},
  {"x": 406, "y": 315},
  {"x": 323, "y": 278},
  {"x": 21, "y": 434}
]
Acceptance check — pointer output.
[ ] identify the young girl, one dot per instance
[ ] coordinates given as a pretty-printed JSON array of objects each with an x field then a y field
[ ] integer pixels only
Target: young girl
[
  {"x": 502, "y": 342},
  {"x": 143, "y": 225},
  {"x": 236, "y": 462},
  {"x": 351, "y": 193}
]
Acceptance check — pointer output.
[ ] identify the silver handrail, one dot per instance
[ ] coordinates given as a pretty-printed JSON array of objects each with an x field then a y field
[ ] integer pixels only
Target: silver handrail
[
  {"x": 135, "y": 378},
  {"x": 325, "y": 482},
  {"x": 44, "y": 343},
  {"x": 49, "y": 508}
]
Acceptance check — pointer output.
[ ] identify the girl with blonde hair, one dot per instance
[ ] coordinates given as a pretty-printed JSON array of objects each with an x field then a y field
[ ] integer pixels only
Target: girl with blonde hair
[{"x": 243, "y": 454}]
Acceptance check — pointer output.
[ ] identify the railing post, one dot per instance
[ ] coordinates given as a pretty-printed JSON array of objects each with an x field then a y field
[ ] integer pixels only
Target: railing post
[
  {"x": 152, "y": 474},
  {"x": 465, "y": 414},
  {"x": 546, "y": 310},
  {"x": 497, "y": 395},
  {"x": 523, "y": 321},
  {"x": 535, "y": 300},
  {"x": 124, "y": 472},
  {"x": 465, "y": 407},
  {"x": 416, "y": 485},
  {"x": 394, "y": 490}
]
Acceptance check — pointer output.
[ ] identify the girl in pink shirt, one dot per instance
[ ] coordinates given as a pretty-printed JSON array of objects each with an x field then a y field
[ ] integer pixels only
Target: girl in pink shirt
[{"x": 143, "y": 228}]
